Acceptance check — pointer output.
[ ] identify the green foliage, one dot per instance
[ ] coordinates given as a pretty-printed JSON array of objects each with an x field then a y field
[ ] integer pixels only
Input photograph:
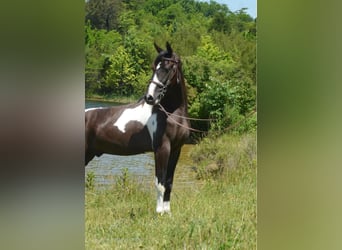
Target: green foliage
[
  {"x": 120, "y": 72},
  {"x": 224, "y": 91},
  {"x": 99, "y": 46},
  {"x": 217, "y": 47},
  {"x": 103, "y": 14}
]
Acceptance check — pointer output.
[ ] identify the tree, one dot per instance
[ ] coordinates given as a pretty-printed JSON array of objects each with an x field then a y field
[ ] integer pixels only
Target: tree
[
  {"x": 217, "y": 48},
  {"x": 221, "y": 23},
  {"x": 99, "y": 45},
  {"x": 103, "y": 14},
  {"x": 121, "y": 74},
  {"x": 172, "y": 17}
]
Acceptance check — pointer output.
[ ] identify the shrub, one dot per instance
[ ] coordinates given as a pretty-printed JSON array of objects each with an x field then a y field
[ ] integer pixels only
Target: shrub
[{"x": 217, "y": 155}]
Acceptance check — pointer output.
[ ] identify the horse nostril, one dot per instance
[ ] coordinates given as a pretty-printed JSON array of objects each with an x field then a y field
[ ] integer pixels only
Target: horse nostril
[{"x": 149, "y": 98}]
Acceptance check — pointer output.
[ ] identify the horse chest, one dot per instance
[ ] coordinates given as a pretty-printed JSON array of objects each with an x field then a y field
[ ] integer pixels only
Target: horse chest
[{"x": 142, "y": 115}]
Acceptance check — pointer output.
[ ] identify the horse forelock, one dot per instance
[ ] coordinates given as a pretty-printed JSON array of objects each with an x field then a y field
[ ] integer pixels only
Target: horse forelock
[
  {"x": 159, "y": 58},
  {"x": 165, "y": 54}
]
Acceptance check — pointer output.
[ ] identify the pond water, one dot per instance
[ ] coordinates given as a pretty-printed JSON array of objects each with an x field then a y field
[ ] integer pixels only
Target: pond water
[{"x": 107, "y": 167}]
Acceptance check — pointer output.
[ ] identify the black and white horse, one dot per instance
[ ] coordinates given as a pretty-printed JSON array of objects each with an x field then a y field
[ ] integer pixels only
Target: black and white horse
[{"x": 157, "y": 123}]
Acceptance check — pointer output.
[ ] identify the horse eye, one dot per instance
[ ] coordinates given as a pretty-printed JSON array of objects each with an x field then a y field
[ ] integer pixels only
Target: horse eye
[{"x": 162, "y": 71}]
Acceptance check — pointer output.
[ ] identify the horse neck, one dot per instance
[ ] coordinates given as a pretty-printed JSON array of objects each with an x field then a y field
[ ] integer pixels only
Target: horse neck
[{"x": 176, "y": 98}]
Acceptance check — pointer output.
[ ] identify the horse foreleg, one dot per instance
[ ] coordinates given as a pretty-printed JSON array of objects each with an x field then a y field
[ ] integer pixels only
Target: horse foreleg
[
  {"x": 161, "y": 161},
  {"x": 173, "y": 159}
]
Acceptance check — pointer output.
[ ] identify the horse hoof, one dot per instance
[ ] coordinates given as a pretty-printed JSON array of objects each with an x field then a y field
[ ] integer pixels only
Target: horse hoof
[{"x": 161, "y": 213}]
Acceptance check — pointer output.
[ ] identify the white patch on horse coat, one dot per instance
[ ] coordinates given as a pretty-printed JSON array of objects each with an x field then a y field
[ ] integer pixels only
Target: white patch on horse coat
[
  {"x": 160, "y": 196},
  {"x": 89, "y": 109},
  {"x": 152, "y": 87},
  {"x": 140, "y": 114},
  {"x": 156, "y": 79},
  {"x": 152, "y": 126},
  {"x": 154, "y": 82}
]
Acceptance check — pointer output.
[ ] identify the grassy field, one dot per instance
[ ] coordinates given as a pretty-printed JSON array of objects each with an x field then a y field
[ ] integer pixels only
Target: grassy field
[{"x": 217, "y": 212}]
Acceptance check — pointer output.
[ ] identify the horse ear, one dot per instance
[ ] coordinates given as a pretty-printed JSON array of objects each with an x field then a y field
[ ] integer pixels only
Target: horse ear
[
  {"x": 169, "y": 49},
  {"x": 157, "y": 47}
]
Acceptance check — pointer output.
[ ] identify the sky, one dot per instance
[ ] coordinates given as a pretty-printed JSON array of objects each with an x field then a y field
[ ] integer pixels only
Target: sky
[{"x": 235, "y": 5}]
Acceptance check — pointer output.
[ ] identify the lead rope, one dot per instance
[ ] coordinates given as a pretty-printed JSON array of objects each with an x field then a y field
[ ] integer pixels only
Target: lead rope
[
  {"x": 168, "y": 114},
  {"x": 184, "y": 117}
]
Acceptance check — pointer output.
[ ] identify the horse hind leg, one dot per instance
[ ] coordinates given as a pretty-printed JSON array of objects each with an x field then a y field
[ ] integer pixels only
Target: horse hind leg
[
  {"x": 88, "y": 157},
  {"x": 89, "y": 151},
  {"x": 89, "y": 154}
]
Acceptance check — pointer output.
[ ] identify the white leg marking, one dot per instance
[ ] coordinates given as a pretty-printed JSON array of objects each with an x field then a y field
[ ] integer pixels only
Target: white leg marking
[
  {"x": 167, "y": 207},
  {"x": 160, "y": 197},
  {"x": 140, "y": 114}
]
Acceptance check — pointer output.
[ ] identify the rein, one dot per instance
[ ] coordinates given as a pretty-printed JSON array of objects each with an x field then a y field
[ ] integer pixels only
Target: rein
[
  {"x": 184, "y": 117},
  {"x": 168, "y": 114}
]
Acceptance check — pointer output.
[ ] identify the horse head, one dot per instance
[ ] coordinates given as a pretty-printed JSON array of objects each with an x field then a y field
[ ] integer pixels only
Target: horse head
[{"x": 165, "y": 74}]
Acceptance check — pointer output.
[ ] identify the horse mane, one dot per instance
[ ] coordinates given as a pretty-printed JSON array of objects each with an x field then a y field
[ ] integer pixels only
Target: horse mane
[
  {"x": 182, "y": 82},
  {"x": 184, "y": 91}
]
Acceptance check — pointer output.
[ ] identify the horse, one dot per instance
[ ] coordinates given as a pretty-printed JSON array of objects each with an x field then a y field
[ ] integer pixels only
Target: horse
[{"x": 157, "y": 123}]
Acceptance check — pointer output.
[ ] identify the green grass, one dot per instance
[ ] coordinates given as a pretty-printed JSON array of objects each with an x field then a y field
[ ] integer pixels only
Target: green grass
[{"x": 214, "y": 213}]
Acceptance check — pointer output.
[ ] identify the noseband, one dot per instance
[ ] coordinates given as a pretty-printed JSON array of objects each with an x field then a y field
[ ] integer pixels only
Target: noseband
[{"x": 164, "y": 84}]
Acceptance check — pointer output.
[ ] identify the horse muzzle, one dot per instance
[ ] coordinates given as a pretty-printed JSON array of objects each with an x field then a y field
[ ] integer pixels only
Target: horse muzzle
[{"x": 151, "y": 100}]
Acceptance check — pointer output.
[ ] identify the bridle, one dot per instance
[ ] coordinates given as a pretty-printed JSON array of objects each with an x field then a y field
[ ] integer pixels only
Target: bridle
[{"x": 164, "y": 83}]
